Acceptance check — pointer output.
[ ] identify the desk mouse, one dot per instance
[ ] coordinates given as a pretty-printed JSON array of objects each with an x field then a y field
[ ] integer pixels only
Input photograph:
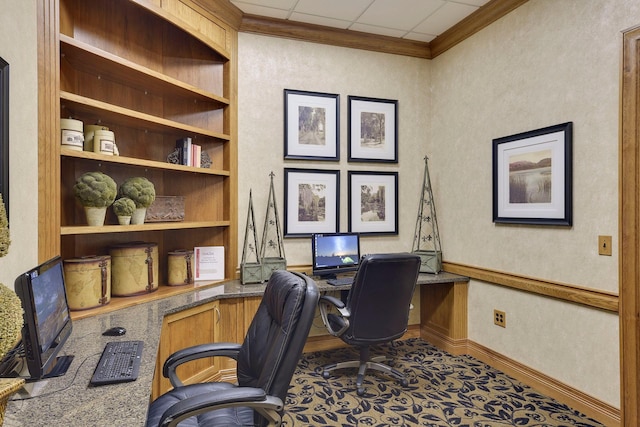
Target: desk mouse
[{"x": 116, "y": 331}]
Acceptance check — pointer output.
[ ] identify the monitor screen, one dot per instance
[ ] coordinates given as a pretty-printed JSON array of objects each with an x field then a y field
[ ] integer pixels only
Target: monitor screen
[
  {"x": 47, "y": 321},
  {"x": 335, "y": 253}
]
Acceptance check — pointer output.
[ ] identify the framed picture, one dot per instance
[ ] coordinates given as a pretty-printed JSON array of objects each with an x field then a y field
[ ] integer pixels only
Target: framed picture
[
  {"x": 373, "y": 130},
  {"x": 311, "y": 125},
  {"x": 4, "y": 133},
  {"x": 373, "y": 202},
  {"x": 311, "y": 202},
  {"x": 532, "y": 177}
]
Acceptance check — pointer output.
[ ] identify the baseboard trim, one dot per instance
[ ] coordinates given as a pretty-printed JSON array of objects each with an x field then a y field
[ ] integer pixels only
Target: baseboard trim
[{"x": 592, "y": 407}]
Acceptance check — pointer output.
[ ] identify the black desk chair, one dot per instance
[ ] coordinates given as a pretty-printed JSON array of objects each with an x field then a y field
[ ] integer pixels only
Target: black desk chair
[
  {"x": 266, "y": 362},
  {"x": 376, "y": 310}
]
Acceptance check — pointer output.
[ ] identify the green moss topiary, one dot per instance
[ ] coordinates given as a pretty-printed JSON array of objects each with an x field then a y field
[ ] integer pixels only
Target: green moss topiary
[
  {"x": 10, "y": 319},
  {"x": 95, "y": 189},
  {"x": 140, "y": 190},
  {"x": 5, "y": 237},
  {"x": 124, "y": 206}
]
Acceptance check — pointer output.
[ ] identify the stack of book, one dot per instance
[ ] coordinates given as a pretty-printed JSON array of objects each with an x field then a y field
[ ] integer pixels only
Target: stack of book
[{"x": 189, "y": 154}]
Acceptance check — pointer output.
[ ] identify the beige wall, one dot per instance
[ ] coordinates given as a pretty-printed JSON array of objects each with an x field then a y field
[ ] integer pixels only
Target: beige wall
[
  {"x": 546, "y": 63},
  {"x": 269, "y": 65},
  {"x": 18, "y": 46}
]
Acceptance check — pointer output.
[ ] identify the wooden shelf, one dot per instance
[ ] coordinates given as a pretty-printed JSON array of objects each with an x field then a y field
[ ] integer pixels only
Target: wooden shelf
[
  {"x": 72, "y": 105},
  {"x": 149, "y": 226},
  {"x": 141, "y": 162}
]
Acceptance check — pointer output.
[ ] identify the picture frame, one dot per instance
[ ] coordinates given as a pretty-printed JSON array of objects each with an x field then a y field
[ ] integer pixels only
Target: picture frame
[
  {"x": 373, "y": 130},
  {"x": 373, "y": 202},
  {"x": 4, "y": 133},
  {"x": 532, "y": 177},
  {"x": 311, "y": 125},
  {"x": 311, "y": 202}
]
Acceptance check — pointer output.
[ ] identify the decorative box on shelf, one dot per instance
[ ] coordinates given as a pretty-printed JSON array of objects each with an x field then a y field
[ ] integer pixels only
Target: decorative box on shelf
[
  {"x": 430, "y": 261},
  {"x": 251, "y": 272},
  {"x": 166, "y": 208}
]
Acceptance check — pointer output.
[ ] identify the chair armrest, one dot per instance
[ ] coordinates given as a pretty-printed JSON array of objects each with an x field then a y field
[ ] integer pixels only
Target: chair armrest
[
  {"x": 328, "y": 301},
  {"x": 256, "y": 398},
  {"x": 197, "y": 352}
]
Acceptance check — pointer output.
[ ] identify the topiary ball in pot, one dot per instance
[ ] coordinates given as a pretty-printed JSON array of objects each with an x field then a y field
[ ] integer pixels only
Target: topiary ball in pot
[
  {"x": 142, "y": 192},
  {"x": 95, "y": 191},
  {"x": 124, "y": 208},
  {"x": 10, "y": 320}
]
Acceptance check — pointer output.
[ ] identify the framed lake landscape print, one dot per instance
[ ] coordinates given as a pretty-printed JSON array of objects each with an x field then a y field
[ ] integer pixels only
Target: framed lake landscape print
[
  {"x": 311, "y": 125},
  {"x": 373, "y": 202},
  {"x": 532, "y": 177},
  {"x": 373, "y": 130},
  {"x": 311, "y": 202}
]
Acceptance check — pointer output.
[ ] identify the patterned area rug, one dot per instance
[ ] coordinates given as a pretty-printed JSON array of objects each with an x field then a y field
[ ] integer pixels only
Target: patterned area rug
[{"x": 444, "y": 390}]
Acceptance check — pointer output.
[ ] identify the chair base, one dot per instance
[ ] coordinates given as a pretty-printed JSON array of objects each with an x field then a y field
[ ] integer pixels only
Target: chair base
[{"x": 363, "y": 364}]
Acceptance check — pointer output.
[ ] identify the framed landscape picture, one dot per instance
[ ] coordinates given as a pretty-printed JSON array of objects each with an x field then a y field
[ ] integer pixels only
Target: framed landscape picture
[
  {"x": 311, "y": 202},
  {"x": 532, "y": 177},
  {"x": 373, "y": 130},
  {"x": 373, "y": 202},
  {"x": 311, "y": 125}
]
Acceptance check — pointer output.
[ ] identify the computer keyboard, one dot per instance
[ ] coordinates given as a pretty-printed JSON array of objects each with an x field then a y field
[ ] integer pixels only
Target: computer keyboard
[
  {"x": 341, "y": 281},
  {"x": 120, "y": 362}
]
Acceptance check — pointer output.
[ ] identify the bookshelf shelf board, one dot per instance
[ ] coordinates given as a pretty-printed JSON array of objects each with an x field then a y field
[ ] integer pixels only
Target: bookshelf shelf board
[
  {"x": 152, "y": 226},
  {"x": 141, "y": 162},
  {"x": 76, "y": 105},
  {"x": 99, "y": 62}
]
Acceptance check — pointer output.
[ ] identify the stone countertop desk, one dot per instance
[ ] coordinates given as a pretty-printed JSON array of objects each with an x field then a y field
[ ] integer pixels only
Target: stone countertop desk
[{"x": 71, "y": 401}]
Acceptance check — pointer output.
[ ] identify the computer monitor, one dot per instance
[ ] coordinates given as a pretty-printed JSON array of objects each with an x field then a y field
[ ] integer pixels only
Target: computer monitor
[
  {"x": 47, "y": 320},
  {"x": 334, "y": 253}
]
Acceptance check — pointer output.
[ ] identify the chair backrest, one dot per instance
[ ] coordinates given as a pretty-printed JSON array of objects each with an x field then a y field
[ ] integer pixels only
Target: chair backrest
[
  {"x": 275, "y": 339},
  {"x": 380, "y": 298}
]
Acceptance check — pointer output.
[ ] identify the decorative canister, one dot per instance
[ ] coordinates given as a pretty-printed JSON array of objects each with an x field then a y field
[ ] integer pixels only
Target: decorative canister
[
  {"x": 71, "y": 136},
  {"x": 88, "y": 281},
  {"x": 180, "y": 267},
  {"x": 104, "y": 142},
  {"x": 134, "y": 268},
  {"x": 89, "y": 131}
]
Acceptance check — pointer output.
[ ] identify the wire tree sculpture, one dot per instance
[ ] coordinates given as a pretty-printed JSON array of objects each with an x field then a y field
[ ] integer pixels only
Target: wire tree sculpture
[{"x": 426, "y": 239}]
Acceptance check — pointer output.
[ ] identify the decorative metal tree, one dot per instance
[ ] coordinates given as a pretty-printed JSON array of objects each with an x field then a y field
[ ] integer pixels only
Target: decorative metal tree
[
  {"x": 426, "y": 240},
  {"x": 250, "y": 267},
  {"x": 272, "y": 249}
]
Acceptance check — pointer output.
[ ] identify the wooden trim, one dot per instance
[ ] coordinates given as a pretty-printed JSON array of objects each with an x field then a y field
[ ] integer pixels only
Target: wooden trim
[
  {"x": 478, "y": 20},
  {"x": 562, "y": 291},
  {"x": 48, "y": 125},
  {"x": 473, "y": 23},
  {"x": 592, "y": 407},
  {"x": 223, "y": 10},
  {"x": 333, "y": 36},
  {"x": 629, "y": 234}
]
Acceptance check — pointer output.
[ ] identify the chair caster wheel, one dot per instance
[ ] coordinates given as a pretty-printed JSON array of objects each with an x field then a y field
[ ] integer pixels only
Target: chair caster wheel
[
  {"x": 325, "y": 375},
  {"x": 360, "y": 391},
  {"x": 404, "y": 383}
]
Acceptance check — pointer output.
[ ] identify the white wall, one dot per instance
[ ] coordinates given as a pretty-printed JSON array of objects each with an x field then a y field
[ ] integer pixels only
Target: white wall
[
  {"x": 18, "y": 46},
  {"x": 267, "y": 66},
  {"x": 546, "y": 63}
]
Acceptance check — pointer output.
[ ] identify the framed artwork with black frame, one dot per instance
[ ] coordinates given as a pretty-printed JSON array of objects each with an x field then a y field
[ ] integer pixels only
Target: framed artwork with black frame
[
  {"x": 311, "y": 125},
  {"x": 532, "y": 177},
  {"x": 373, "y": 130},
  {"x": 373, "y": 202},
  {"x": 311, "y": 202},
  {"x": 4, "y": 133}
]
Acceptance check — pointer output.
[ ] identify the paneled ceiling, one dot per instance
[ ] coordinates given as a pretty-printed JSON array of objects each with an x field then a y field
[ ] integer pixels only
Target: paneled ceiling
[{"x": 418, "y": 20}]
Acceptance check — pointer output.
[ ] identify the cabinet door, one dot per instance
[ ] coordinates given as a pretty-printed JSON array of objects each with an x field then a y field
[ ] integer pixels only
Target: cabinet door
[{"x": 197, "y": 325}]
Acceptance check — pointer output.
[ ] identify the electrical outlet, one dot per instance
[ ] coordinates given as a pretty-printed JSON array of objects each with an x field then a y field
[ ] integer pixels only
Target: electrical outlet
[
  {"x": 604, "y": 245},
  {"x": 500, "y": 318}
]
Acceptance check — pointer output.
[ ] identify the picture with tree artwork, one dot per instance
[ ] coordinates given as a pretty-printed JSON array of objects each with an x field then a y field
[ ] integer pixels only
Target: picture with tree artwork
[
  {"x": 372, "y": 130},
  {"x": 311, "y": 125}
]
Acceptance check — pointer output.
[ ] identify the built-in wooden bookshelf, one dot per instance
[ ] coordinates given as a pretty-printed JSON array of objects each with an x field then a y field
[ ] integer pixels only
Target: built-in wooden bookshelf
[{"x": 152, "y": 72}]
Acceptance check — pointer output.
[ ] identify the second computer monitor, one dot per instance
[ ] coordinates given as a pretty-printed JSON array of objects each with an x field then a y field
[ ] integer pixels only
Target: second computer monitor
[{"x": 334, "y": 253}]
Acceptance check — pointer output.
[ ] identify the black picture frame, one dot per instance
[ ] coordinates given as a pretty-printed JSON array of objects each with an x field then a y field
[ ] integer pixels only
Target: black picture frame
[
  {"x": 373, "y": 202},
  {"x": 311, "y": 201},
  {"x": 532, "y": 177},
  {"x": 373, "y": 130},
  {"x": 311, "y": 125},
  {"x": 4, "y": 133}
]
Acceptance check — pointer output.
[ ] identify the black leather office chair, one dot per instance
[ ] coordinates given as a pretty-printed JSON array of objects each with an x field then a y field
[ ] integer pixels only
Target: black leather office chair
[
  {"x": 376, "y": 310},
  {"x": 266, "y": 362}
]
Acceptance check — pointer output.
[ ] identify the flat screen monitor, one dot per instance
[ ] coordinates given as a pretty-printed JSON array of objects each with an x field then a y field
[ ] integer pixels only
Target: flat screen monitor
[
  {"x": 334, "y": 253},
  {"x": 47, "y": 320}
]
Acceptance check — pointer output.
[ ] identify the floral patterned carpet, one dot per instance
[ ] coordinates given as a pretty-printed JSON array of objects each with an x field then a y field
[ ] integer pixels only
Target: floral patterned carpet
[{"x": 444, "y": 390}]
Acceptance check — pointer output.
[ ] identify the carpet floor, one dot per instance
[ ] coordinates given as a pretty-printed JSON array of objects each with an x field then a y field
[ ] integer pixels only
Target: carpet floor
[{"x": 444, "y": 390}]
